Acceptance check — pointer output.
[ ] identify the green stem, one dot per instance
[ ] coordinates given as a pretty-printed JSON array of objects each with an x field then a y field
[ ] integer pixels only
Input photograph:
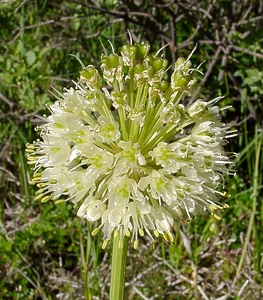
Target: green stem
[{"x": 118, "y": 265}]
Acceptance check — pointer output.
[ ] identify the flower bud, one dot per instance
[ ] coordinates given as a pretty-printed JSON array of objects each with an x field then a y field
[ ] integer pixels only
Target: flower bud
[
  {"x": 128, "y": 53},
  {"x": 133, "y": 54},
  {"x": 90, "y": 75},
  {"x": 141, "y": 51},
  {"x": 158, "y": 63},
  {"x": 161, "y": 85},
  {"x": 112, "y": 61},
  {"x": 182, "y": 65}
]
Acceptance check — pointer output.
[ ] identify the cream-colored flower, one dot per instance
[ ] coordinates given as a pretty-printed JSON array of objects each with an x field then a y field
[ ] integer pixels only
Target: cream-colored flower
[{"x": 126, "y": 152}]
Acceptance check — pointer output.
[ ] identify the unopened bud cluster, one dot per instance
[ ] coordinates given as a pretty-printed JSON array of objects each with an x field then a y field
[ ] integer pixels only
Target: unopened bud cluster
[{"x": 126, "y": 152}]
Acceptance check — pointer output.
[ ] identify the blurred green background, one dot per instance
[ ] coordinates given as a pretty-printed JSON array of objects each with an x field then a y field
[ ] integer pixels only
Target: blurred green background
[{"x": 46, "y": 251}]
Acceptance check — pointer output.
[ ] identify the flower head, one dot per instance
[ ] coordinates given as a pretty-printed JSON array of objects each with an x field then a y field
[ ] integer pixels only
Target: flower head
[{"x": 126, "y": 152}]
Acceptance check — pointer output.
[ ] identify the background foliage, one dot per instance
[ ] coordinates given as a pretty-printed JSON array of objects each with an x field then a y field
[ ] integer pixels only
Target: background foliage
[{"x": 46, "y": 252}]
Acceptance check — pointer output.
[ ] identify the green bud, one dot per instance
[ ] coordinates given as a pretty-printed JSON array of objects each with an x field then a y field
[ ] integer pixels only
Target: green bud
[
  {"x": 164, "y": 85},
  {"x": 143, "y": 72},
  {"x": 133, "y": 54},
  {"x": 128, "y": 53},
  {"x": 151, "y": 71},
  {"x": 161, "y": 85},
  {"x": 139, "y": 68},
  {"x": 180, "y": 80},
  {"x": 159, "y": 63},
  {"x": 182, "y": 65},
  {"x": 91, "y": 75},
  {"x": 112, "y": 61},
  {"x": 141, "y": 51}
]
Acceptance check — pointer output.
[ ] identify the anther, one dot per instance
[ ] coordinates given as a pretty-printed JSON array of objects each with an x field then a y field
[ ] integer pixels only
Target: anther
[
  {"x": 30, "y": 146},
  {"x": 39, "y": 192},
  {"x": 39, "y": 196},
  {"x": 156, "y": 233},
  {"x": 141, "y": 232},
  {"x": 95, "y": 231},
  {"x": 135, "y": 244},
  {"x": 104, "y": 244},
  {"x": 45, "y": 199},
  {"x": 59, "y": 201},
  {"x": 216, "y": 217}
]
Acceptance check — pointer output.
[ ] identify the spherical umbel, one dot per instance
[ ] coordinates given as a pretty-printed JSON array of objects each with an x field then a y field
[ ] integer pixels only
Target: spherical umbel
[{"x": 126, "y": 152}]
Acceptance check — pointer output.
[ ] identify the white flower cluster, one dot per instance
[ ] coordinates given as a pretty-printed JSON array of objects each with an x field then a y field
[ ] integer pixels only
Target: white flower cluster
[{"x": 127, "y": 153}]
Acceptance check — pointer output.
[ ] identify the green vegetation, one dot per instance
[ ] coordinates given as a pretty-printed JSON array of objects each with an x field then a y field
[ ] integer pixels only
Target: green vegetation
[{"x": 46, "y": 251}]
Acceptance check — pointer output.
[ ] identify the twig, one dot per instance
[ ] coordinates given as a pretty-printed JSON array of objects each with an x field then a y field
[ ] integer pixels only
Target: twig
[
  {"x": 6, "y": 100},
  {"x": 223, "y": 63},
  {"x": 246, "y": 13},
  {"x": 243, "y": 288},
  {"x": 202, "y": 292},
  {"x": 255, "y": 19},
  {"x": 140, "y": 294},
  {"x": 173, "y": 38},
  {"x": 246, "y": 51}
]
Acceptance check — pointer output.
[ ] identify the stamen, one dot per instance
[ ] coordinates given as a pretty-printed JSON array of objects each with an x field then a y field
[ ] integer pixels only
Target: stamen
[
  {"x": 141, "y": 232},
  {"x": 104, "y": 244},
  {"x": 135, "y": 244},
  {"x": 59, "y": 201},
  {"x": 45, "y": 199},
  {"x": 217, "y": 217},
  {"x": 95, "y": 231},
  {"x": 38, "y": 197}
]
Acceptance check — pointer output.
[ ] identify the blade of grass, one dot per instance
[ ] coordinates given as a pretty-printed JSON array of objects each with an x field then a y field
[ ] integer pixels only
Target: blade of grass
[
  {"x": 254, "y": 197},
  {"x": 85, "y": 255}
]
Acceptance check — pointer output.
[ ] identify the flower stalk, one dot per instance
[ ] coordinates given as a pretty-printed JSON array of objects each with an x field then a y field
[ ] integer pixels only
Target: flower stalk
[{"x": 118, "y": 265}]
